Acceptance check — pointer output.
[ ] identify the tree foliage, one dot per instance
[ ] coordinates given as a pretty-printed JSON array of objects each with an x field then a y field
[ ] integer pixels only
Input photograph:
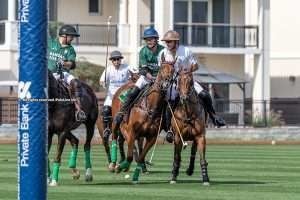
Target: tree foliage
[{"x": 89, "y": 73}]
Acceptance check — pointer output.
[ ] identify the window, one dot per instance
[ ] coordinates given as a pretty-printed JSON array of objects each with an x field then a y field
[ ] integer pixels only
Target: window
[
  {"x": 187, "y": 13},
  {"x": 152, "y": 7},
  {"x": 3, "y": 9},
  {"x": 94, "y": 6},
  {"x": 52, "y": 10},
  {"x": 181, "y": 15},
  {"x": 221, "y": 14}
]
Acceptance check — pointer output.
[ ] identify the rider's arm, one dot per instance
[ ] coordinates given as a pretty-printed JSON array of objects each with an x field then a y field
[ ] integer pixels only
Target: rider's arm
[
  {"x": 69, "y": 60},
  {"x": 192, "y": 61}
]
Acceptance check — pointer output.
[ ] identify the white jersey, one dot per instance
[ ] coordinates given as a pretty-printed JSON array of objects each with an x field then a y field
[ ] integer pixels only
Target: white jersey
[
  {"x": 115, "y": 78},
  {"x": 185, "y": 57}
]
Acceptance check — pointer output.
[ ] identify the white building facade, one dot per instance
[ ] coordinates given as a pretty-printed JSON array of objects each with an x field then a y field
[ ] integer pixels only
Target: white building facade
[{"x": 255, "y": 40}]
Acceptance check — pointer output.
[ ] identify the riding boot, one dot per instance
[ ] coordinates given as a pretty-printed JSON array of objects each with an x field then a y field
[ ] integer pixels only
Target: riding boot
[
  {"x": 107, "y": 116},
  {"x": 208, "y": 106},
  {"x": 80, "y": 114},
  {"x": 168, "y": 119},
  {"x": 127, "y": 104}
]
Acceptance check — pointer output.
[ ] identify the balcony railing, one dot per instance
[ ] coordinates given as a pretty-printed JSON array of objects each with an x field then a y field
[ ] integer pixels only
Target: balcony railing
[
  {"x": 218, "y": 35},
  {"x": 90, "y": 34}
]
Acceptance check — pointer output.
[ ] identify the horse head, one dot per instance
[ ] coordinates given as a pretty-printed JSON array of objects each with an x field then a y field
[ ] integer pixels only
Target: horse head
[
  {"x": 165, "y": 74},
  {"x": 185, "y": 84}
]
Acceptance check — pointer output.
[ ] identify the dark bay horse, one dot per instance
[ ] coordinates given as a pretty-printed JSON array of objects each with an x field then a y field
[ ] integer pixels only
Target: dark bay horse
[
  {"x": 61, "y": 120},
  {"x": 143, "y": 119},
  {"x": 188, "y": 123}
]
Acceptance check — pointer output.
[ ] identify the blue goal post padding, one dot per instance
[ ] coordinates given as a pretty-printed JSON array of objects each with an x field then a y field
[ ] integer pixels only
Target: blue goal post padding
[{"x": 32, "y": 113}]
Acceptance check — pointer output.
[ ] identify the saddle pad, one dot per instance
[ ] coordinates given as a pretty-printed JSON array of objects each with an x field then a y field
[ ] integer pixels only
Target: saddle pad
[{"x": 124, "y": 94}]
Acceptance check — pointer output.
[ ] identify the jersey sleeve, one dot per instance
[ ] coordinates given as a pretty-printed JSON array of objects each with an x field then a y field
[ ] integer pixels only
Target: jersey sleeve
[
  {"x": 191, "y": 58},
  {"x": 71, "y": 56},
  {"x": 142, "y": 58}
]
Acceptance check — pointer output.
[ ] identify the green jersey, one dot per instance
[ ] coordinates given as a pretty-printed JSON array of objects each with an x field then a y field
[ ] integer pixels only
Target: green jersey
[
  {"x": 149, "y": 59},
  {"x": 57, "y": 52}
]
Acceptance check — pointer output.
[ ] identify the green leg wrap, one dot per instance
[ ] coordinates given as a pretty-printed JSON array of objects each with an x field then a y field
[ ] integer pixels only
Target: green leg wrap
[
  {"x": 114, "y": 151},
  {"x": 49, "y": 170},
  {"x": 73, "y": 158},
  {"x": 55, "y": 171},
  {"x": 124, "y": 165},
  {"x": 88, "y": 159},
  {"x": 137, "y": 172}
]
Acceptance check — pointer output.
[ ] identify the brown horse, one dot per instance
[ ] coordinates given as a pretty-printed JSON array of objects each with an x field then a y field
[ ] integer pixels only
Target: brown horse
[
  {"x": 62, "y": 121},
  {"x": 144, "y": 117},
  {"x": 188, "y": 123}
]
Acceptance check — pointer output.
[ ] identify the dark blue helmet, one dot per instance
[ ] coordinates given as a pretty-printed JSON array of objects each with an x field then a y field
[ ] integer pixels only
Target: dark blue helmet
[{"x": 150, "y": 32}]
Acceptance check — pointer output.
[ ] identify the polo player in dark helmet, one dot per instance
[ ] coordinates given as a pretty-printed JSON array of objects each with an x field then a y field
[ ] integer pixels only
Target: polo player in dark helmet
[{"x": 60, "y": 50}]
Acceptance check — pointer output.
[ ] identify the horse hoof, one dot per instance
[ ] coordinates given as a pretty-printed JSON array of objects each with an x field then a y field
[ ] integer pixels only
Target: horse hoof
[
  {"x": 172, "y": 182},
  {"x": 48, "y": 180},
  {"x": 206, "y": 183},
  {"x": 111, "y": 167},
  {"x": 135, "y": 182},
  {"x": 189, "y": 172},
  {"x": 53, "y": 183},
  {"x": 75, "y": 174},
  {"x": 118, "y": 169},
  {"x": 88, "y": 175}
]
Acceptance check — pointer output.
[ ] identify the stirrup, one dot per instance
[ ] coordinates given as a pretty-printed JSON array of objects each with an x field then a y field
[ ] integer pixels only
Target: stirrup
[
  {"x": 170, "y": 136},
  {"x": 80, "y": 116}
]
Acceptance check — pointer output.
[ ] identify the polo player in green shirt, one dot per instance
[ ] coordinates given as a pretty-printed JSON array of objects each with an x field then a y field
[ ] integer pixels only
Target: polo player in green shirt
[
  {"x": 61, "y": 52},
  {"x": 148, "y": 68}
]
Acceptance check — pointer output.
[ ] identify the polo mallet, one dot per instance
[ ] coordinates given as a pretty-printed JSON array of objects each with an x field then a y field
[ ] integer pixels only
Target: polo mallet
[
  {"x": 183, "y": 142},
  {"x": 152, "y": 154},
  {"x": 107, "y": 43}
]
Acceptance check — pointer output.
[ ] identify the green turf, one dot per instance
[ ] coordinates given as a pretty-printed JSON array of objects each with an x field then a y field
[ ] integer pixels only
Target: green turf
[{"x": 237, "y": 172}]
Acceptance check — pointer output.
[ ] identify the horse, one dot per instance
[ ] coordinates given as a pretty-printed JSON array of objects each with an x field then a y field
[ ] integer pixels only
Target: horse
[
  {"x": 61, "y": 120},
  {"x": 189, "y": 123},
  {"x": 144, "y": 117},
  {"x": 115, "y": 108}
]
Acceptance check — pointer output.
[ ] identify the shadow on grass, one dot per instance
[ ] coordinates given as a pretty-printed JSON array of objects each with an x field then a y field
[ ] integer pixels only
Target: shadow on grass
[{"x": 180, "y": 181}]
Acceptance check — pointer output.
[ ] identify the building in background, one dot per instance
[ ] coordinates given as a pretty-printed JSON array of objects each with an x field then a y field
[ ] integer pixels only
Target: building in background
[{"x": 252, "y": 40}]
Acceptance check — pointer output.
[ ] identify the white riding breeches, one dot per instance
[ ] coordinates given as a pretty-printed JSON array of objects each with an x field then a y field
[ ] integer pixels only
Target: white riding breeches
[
  {"x": 67, "y": 77},
  {"x": 172, "y": 92},
  {"x": 141, "y": 82},
  {"x": 197, "y": 87},
  {"x": 110, "y": 94}
]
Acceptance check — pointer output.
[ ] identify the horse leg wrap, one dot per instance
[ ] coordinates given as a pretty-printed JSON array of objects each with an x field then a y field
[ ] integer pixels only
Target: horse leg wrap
[
  {"x": 124, "y": 165},
  {"x": 114, "y": 151},
  {"x": 203, "y": 165},
  {"x": 49, "y": 170},
  {"x": 137, "y": 172},
  {"x": 72, "y": 158},
  {"x": 55, "y": 171},
  {"x": 87, "y": 159}
]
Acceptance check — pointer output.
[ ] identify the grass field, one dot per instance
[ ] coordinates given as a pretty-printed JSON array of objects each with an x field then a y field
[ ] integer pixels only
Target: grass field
[{"x": 237, "y": 172}]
